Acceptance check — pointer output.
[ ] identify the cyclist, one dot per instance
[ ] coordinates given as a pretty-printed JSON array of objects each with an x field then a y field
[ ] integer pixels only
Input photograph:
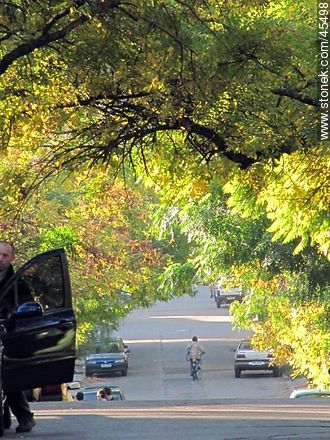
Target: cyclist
[{"x": 194, "y": 351}]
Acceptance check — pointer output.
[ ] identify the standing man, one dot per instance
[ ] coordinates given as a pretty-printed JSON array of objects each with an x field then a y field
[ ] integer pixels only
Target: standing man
[{"x": 17, "y": 401}]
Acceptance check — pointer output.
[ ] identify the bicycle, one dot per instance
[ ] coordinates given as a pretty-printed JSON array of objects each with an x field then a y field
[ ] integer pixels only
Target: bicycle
[{"x": 196, "y": 369}]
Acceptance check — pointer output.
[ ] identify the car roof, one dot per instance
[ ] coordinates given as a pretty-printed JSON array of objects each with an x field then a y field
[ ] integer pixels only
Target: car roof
[
  {"x": 309, "y": 392},
  {"x": 99, "y": 387},
  {"x": 91, "y": 391}
]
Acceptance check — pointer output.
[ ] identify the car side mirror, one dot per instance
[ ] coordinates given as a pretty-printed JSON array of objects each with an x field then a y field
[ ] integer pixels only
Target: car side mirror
[
  {"x": 73, "y": 385},
  {"x": 28, "y": 310}
]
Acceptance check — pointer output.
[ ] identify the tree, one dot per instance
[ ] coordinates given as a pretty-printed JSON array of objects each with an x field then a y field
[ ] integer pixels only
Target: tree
[
  {"x": 106, "y": 81},
  {"x": 194, "y": 94},
  {"x": 103, "y": 224}
]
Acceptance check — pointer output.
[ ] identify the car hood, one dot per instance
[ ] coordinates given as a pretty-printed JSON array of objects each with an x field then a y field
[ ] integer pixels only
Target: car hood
[{"x": 100, "y": 356}]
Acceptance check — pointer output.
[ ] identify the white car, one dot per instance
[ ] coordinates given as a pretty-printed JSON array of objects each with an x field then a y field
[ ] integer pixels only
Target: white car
[{"x": 247, "y": 358}]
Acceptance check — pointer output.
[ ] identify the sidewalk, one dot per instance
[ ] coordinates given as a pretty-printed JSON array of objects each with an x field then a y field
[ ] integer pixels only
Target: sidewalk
[{"x": 299, "y": 382}]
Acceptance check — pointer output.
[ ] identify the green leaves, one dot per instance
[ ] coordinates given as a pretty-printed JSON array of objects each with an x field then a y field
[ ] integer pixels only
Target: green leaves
[{"x": 205, "y": 116}]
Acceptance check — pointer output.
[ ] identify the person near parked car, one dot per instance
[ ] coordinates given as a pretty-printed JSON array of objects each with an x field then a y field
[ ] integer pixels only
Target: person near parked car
[
  {"x": 101, "y": 396},
  {"x": 105, "y": 394},
  {"x": 108, "y": 393},
  {"x": 17, "y": 400},
  {"x": 194, "y": 351},
  {"x": 80, "y": 395}
]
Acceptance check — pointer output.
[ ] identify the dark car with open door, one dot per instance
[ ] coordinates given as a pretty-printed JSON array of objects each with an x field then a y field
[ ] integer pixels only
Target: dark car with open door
[{"x": 38, "y": 337}]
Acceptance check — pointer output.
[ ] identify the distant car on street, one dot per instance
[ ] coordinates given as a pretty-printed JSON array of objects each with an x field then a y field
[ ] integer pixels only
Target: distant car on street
[
  {"x": 112, "y": 359},
  {"x": 227, "y": 296},
  {"x": 247, "y": 358}
]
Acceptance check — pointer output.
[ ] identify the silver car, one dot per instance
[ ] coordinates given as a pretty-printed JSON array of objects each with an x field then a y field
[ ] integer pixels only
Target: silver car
[{"x": 247, "y": 358}]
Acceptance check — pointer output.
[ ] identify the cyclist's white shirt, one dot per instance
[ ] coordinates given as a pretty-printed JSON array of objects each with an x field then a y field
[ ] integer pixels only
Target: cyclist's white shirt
[{"x": 195, "y": 350}]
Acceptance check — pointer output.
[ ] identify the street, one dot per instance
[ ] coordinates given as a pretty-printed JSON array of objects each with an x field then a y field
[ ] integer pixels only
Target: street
[
  {"x": 164, "y": 403},
  {"x": 223, "y": 420},
  {"x": 158, "y": 337}
]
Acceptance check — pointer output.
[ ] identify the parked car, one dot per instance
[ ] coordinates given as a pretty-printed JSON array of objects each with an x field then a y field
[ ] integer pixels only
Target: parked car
[
  {"x": 227, "y": 296},
  {"x": 89, "y": 393},
  {"x": 247, "y": 358},
  {"x": 38, "y": 338},
  {"x": 112, "y": 359},
  {"x": 309, "y": 393}
]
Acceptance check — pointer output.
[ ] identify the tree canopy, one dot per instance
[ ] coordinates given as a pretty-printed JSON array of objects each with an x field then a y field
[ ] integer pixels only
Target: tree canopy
[{"x": 126, "y": 125}]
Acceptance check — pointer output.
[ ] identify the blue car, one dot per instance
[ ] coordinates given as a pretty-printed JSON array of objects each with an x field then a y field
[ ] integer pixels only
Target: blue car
[{"x": 113, "y": 359}]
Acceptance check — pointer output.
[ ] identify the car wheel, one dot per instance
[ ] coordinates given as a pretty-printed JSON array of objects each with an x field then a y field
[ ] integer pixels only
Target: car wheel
[
  {"x": 237, "y": 373},
  {"x": 124, "y": 372},
  {"x": 276, "y": 371},
  {"x": 89, "y": 373}
]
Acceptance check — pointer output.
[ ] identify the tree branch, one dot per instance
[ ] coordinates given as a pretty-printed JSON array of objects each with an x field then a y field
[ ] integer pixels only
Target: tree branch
[
  {"x": 45, "y": 37},
  {"x": 295, "y": 94}
]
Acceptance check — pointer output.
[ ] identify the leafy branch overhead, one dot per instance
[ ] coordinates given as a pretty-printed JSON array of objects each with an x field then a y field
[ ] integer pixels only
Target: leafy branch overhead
[{"x": 111, "y": 76}]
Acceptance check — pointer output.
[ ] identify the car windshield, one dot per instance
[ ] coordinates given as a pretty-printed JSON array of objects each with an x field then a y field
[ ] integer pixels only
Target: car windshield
[
  {"x": 115, "y": 348},
  {"x": 246, "y": 345}
]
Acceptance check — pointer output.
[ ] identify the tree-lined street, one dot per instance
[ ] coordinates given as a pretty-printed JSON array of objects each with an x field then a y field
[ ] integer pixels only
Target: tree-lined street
[
  {"x": 159, "y": 145},
  {"x": 158, "y": 337}
]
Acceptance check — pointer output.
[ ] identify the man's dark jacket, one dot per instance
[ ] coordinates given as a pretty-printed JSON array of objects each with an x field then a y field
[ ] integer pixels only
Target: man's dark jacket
[{"x": 7, "y": 302}]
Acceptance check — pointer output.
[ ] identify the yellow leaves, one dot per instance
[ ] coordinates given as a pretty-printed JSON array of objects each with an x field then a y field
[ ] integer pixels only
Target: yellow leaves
[
  {"x": 298, "y": 335},
  {"x": 294, "y": 193}
]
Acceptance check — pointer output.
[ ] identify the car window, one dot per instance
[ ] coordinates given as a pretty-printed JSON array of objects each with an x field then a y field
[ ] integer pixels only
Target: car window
[
  {"x": 45, "y": 282},
  {"x": 246, "y": 345},
  {"x": 116, "y": 347}
]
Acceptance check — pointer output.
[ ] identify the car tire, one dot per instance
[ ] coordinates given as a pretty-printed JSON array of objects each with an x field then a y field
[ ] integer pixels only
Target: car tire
[
  {"x": 89, "y": 373},
  {"x": 237, "y": 373},
  {"x": 124, "y": 372},
  {"x": 276, "y": 371}
]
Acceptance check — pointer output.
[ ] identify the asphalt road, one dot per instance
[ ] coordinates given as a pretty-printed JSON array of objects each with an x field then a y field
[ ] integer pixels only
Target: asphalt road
[
  {"x": 164, "y": 403},
  {"x": 207, "y": 420},
  {"x": 157, "y": 338}
]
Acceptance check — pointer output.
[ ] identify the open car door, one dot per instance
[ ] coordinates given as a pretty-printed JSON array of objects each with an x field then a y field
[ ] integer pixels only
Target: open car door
[{"x": 38, "y": 337}]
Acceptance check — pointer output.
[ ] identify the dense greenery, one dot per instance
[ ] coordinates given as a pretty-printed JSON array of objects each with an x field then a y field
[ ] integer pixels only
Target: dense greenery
[{"x": 165, "y": 142}]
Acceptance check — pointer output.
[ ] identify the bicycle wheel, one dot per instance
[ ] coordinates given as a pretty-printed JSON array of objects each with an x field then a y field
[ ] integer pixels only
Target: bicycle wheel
[{"x": 194, "y": 371}]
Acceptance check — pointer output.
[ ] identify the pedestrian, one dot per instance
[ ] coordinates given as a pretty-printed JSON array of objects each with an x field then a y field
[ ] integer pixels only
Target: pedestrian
[
  {"x": 101, "y": 396},
  {"x": 80, "y": 395},
  {"x": 17, "y": 400},
  {"x": 108, "y": 393}
]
